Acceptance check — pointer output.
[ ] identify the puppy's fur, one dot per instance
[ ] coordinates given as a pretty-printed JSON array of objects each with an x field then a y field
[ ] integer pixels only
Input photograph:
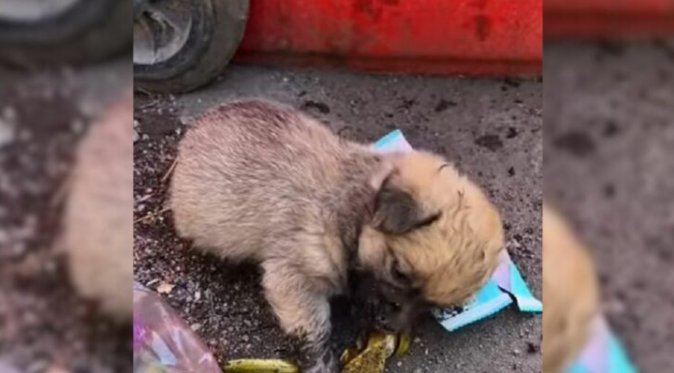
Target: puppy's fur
[
  {"x": 570, "y": 294},
  {"x": 98, "y": 229},
  {"x": 261, "y": 181}
]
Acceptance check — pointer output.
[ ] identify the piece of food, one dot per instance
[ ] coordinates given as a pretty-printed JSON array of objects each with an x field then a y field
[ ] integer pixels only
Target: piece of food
[
  {"x": 260, "y": 366},
  {"x": 372, "y": 358}
]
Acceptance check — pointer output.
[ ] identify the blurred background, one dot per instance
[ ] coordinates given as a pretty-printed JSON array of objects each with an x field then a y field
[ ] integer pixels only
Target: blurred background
[
  {"x": 609, "y": 167},
  {"x": 609, "y": 162},
  {"x": 63, "y": 64}
]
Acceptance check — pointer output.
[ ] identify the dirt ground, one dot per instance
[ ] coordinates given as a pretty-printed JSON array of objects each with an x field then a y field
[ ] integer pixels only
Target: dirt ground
[
  {"x": 609, "y": 136},
  {"x": 490, "y": 128},
  {"x": 44, "y": 326}
]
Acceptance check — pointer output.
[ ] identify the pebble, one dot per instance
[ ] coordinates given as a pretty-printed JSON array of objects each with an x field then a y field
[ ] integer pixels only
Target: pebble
[
  {"x": 6, "y": 133},
  {"x": 9, "y": 114},
  {"x": 532, "y": 348},
  {"x": 418, "y": 370},
  {"x": 77, "y": 126}
]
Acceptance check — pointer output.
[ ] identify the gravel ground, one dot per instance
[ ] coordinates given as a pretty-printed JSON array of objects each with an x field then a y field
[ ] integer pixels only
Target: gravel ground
[
  {"x": 44, "y": 326},
  {"x": 609, "y": 135},
  {"x": 492, "y": 129}
]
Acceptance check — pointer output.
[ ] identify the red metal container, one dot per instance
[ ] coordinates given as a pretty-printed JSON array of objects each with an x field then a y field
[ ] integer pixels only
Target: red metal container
[
  {"x": 471, "y": 37},
  {"x": 608, "y": 18}
]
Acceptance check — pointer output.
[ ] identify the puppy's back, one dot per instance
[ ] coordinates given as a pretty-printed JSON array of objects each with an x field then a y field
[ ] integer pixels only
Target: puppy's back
[{"x": 249, "y": 172}]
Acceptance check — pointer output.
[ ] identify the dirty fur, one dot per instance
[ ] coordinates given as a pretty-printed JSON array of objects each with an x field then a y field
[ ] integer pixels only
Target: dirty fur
[
  {"x": 260, "y": 181},
  {"x": 570, "y": 293},
  {"x": 98, "y": 220}
]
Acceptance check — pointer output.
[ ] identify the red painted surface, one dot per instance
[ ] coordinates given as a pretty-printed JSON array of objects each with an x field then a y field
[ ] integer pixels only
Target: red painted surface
[
  {"x": 472, "y": 37},
  {"x": 608, "y": 18}
]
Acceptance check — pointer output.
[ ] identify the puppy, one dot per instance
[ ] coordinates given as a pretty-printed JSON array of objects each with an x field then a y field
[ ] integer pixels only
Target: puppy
[
  {"x": 260, "y": 181},
  {"x": 570, "y": 294},
  {"x": 98, "y": 216}
]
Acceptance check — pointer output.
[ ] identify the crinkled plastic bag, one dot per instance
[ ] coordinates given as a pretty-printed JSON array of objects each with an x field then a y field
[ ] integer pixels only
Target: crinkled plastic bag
[{"x": 162, "y": 341}]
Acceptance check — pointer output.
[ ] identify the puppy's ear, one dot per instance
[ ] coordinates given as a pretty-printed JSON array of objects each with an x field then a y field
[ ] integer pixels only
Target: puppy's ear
[{"x": 396, "y": 212}]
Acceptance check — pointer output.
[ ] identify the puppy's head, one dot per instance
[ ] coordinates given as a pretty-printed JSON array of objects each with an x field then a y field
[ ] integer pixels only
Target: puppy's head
[{"x": 434, "y": 238}]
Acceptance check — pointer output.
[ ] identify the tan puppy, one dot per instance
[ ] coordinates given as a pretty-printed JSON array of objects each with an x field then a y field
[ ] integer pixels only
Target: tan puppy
[
  {"x": 570, "y": 294},
  {"x": 98, "y": 233},
  {"x": 261, "y": 181}
]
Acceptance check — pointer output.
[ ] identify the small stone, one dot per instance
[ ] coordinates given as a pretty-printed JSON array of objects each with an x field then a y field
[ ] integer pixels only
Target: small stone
[
  {"x": 245, "y": 338},
  {"x": 77, "y": 126},
  {"x": 418, "y": 370},
  {"x": 6, "y": 133},
  {"x": 9, "y": 114},
  {"x": 195, "y": 327},
  {"x": 165, "y": 288},
  {"x": 532, "y": 348},
  {"x": 516, "y": 352}
]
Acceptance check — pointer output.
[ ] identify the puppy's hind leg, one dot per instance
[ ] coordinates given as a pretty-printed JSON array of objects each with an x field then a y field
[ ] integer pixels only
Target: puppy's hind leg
[{"x": 304, "y": 312}]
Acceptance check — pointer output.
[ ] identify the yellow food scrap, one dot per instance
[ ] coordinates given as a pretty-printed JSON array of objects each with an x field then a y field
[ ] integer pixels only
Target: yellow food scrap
[
  {"x": 260, "y": 366},
  {"x": 372, "y": 359}
]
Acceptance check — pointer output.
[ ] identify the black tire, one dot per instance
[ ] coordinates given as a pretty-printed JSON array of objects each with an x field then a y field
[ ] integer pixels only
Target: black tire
[
  {"x": 87, "y": 31},
  {"x": 212, "y": 38}
]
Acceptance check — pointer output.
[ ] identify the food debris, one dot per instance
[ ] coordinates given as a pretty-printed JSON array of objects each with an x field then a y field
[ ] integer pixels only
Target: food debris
[
  {"x": 260, "y": 366},
  {"x": 372, "y": 359},
  {"x": 165, "y": 288}
]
